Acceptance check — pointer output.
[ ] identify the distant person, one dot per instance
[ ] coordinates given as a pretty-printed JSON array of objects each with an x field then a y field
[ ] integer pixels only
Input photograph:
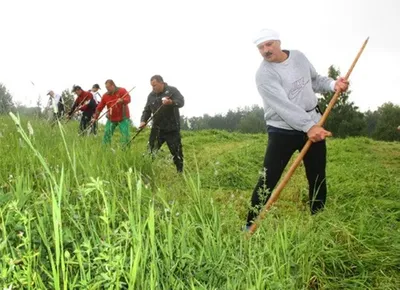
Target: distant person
[
  {"x": 287, "y": 83},
  {"x": 398, "y": 128},
  {"x": 86, "y": 104},
  {"x": 166, "y": 122},
  {"x": 96, "y": 94},
  {"x": 116, "y": 99},
  {"x": 56, "y": 104}
]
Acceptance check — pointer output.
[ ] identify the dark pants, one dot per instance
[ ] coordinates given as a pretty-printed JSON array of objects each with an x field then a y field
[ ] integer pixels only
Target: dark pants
[
  {"x": 60, "y": 111},
  {"x": 57, "y": 116},
  {"x": 279, "y": 151},
  {"x": 85, "y": 122},
  {"x": 173, "y": 139}
]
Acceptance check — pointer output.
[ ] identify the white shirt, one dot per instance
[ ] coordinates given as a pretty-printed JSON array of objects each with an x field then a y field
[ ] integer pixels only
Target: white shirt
[
  {"x": 96, "y": 96},
  {"x": 53, "y": 101}
]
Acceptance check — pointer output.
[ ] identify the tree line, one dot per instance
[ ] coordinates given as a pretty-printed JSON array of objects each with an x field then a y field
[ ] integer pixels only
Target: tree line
[{"x": 345, "y": 119}]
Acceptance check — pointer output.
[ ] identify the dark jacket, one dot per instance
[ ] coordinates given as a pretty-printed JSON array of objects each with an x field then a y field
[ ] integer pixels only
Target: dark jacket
[{"x": 168, "y": 118}]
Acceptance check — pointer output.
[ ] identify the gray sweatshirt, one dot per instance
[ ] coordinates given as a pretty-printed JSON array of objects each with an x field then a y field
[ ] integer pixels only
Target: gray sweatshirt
[{"x": 288, "y": 92}]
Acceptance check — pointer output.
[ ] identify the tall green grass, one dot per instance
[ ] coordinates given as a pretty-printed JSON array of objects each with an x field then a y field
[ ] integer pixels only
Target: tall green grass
[{"x": 77, "y": 215}]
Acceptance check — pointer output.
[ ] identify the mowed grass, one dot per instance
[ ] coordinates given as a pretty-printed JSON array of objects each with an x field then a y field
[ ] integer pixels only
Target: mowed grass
[{"x": 77, "y": 215}]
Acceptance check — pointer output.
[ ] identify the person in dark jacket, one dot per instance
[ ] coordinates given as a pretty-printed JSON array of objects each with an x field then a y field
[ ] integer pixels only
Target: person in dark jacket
[
  {"x": 87, "y": 105},
  {"x": 164, "y": 103}
]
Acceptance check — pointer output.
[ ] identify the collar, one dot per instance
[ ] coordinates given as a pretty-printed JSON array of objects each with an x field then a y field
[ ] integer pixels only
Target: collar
[
  {"x": 113, "y": 93},
  {"x": 166, "y": 89}
]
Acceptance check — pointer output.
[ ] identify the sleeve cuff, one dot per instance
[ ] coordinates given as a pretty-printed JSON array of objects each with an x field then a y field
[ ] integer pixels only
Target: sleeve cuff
[
  {"x": 308, "y": 126},
  {"x": 332, "y": 85}
]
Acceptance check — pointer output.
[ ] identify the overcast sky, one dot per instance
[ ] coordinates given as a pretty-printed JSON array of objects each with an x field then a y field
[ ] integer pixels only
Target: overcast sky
[{"x": 204, "y": 48}]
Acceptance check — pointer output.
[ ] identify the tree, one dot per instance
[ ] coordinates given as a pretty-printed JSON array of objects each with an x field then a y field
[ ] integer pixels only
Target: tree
[
  {"x": 253, "y": 121},
  {"x": 387, "y": 123},
  {"x": 39, "y": 105},
  {"x": 371, "y": 120},
  {"x": 233, "y": 119},
  {"x": 68, "y": 99},
  {"x": 218, "y": 122},
  {"x": 247, "y": 120},
  {"x": 345, "y": 118},
  {"x": 6, "y": 101}
]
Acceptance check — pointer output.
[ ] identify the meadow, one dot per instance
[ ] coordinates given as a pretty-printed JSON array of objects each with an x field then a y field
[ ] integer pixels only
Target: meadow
[{"x": 77, "y": 215}]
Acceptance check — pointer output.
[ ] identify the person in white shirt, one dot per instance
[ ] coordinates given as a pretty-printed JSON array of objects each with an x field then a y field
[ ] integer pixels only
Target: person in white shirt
[
  {"x": 96, "y": 94},
  {"x": 287, "y": 83},
  {"x": 56, "y": 104}
]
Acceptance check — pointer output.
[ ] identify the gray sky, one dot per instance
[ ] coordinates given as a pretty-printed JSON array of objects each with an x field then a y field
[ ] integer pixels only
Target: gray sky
[{"x": 204, "y": 48}]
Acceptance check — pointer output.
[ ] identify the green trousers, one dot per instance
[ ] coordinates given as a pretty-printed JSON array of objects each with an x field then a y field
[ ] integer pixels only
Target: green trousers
[{"x": 123, "y": 128}]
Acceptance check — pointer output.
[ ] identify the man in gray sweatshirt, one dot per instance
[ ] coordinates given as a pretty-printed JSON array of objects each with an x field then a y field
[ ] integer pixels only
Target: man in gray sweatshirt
[{"x": 287, "y": 83}]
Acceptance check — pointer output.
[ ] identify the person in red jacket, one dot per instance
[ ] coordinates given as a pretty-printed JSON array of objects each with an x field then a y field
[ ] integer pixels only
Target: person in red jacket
[
  {"x": 85, "y": 103},
  {"x": 116, "y": 99}
]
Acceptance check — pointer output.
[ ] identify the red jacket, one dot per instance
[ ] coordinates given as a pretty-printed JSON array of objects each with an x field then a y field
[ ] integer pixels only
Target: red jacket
[
  {"x": 117, "y": 112},
  {"x": 83, "y": 102}
]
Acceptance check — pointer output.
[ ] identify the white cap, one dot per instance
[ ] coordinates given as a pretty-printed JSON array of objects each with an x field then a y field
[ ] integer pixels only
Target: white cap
[{"x": 265, "y": 35}]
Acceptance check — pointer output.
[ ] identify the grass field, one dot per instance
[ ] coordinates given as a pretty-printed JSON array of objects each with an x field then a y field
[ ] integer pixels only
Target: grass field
[{"x": 75, "y": 215}]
